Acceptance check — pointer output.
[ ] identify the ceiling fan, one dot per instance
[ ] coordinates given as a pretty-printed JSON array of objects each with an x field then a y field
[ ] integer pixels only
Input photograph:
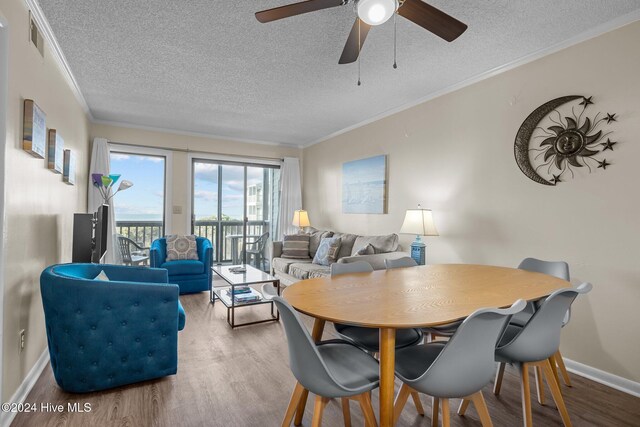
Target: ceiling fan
[{"x": 371, "y": 13}]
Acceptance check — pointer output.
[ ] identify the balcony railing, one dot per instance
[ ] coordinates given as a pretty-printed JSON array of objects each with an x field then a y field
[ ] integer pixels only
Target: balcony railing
[{"x": 145, "y": 232}]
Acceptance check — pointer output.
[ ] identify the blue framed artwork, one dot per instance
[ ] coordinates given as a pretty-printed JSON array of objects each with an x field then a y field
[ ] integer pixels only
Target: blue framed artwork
[
  {"x": 55, "y": 161},
  {"x": 364, "y": 186},
  {"x": 69, "y": 169},
  {"x": 34, "y": 129}
]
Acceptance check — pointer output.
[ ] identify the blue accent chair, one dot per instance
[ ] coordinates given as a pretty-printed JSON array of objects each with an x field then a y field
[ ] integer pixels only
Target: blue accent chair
[
  {"x": 191, "y": 275},
  {"x": 105, "y": 334}
]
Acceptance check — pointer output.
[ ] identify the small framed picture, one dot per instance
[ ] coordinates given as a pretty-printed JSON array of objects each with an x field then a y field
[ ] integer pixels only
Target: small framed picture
[
  {"x": 55, "y": 161},
  {"x": 69, "y": 169},
  {"x": 34, "y": 129}
]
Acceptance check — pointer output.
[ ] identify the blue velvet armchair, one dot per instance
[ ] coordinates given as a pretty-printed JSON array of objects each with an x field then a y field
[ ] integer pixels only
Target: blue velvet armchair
[
  {"x": 104, "y": 334},
  {"x": 191, "y": 275}
]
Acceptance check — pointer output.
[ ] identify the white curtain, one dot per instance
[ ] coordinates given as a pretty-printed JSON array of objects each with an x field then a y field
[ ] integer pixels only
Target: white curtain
[
  {"x": 100, "y": 164},
  {"x": 290, "y": 195}
]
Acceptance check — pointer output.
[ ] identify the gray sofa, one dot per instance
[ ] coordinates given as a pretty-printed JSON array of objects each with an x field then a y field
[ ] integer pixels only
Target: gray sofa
[{"x": 292, "y": 270}]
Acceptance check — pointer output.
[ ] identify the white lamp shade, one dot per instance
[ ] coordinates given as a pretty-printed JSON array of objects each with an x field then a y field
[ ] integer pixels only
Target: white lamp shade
[
  {"x": 419, "y": 222},
  {"x": 376, "y": 12},
  {"x": 301, "y": 219}
]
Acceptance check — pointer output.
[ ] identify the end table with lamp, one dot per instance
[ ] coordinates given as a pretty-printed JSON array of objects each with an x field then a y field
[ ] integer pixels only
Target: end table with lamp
[{"x": 419, "y": 222}]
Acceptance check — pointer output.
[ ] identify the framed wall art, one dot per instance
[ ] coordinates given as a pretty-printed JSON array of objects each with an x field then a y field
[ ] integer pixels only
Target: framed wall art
[
  {"x": 69, "y": 169},
  {"x": 55, "y": 160},
  {"x": 364, "y": 186},
  {"x": 34, "y": 130}
]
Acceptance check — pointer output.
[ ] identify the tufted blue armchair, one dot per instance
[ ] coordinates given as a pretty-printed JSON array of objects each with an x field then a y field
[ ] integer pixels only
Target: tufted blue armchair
[
  {"x": 191, "y": 275},
  {"x": 104, "y": 334}
]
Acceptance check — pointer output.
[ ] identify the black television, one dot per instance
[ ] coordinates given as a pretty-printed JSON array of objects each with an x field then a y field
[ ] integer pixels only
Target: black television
[{"x": 90, "y": 231}]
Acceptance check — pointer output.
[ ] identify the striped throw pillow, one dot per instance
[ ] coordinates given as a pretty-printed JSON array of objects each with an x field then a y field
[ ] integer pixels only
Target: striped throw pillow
[{"x": 296, "y": 246}]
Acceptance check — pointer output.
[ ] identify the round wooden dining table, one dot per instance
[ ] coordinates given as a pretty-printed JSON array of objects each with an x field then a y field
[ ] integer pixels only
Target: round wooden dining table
[{"x": 421, "y": 296}]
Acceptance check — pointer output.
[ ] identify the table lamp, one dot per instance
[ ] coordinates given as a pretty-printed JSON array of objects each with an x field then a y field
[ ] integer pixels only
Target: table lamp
[
  {"x": 301, "y": 219},
  {"x": 419, "y": 222}
]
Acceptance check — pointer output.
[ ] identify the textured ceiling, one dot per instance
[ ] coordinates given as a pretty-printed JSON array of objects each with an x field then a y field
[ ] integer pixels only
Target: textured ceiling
[{"x": 210, "y": 67}]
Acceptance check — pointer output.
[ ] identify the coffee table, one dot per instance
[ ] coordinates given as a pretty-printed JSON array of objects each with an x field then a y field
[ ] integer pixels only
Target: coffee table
[{"x": 251, "y": 277}]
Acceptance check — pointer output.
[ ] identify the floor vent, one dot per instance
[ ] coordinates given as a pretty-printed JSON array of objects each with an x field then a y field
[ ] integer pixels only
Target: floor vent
[{"x": 35, "y": 35}]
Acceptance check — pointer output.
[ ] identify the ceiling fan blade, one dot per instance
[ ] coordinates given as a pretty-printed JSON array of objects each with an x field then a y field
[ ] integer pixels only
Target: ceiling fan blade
[
  {"x": 296, "y": 9},
  {"x": 351, "y": 48},
  {"x": 432, "y": 19}
]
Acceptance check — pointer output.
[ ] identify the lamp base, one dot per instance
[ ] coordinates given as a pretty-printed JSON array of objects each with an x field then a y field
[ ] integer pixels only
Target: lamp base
[{"x": 419, "y": 252}]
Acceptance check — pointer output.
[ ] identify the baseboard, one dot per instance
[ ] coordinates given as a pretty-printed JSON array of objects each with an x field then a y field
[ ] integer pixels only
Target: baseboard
[
  {"x": 610, "y": 380},
  {"x": 23, "y": 391}
]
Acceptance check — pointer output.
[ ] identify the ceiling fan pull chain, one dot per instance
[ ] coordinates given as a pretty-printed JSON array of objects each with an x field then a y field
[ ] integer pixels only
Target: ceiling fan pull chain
[
  {"x": 359, "y": 46},
  {"x": 395, "y": 40}
]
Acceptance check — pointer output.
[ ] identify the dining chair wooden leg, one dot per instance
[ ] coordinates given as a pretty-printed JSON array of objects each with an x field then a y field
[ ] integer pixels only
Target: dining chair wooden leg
[
  {"x": 318, "y": 409},
  {"x": 554, "y": 368},
  {"x": 555, "y": 392},
  {"x": 497, "y": 384},
  {"x": 539, "y": 384},
  {"x": 401, "y": 400},
  {"x": 446, "y": 421},
  {"x": 563, "y": 369},
  {"x": 293, "y": 404},
  {"x": 464, "y": 404},
  {"x": 435, "y": 411},
  {"x": 367, "y": 410},
  {"x": 346, "y": 412},
  {"x": 481, "y": 409},
  {"x": 526, "y": 395},
  {"x": 316, "y": 335},
  {"x": 416, "y": 401}
]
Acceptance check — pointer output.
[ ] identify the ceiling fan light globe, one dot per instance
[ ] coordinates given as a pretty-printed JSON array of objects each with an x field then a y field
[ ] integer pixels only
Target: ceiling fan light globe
[{"x": 376, "y": 12}]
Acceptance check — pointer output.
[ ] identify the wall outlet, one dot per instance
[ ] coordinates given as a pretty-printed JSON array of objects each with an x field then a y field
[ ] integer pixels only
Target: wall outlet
[
  {"x": 177, "y": 210},
  {"x": 22, "y": 340}
]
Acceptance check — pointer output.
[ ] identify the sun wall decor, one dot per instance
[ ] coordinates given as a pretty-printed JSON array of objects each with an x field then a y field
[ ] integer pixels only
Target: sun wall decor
[{"x": 562, "y": 135}]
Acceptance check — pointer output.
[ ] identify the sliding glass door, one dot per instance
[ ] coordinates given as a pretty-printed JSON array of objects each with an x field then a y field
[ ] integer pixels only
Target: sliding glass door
[
  {"x": 140, "y": 211},
  {"x": 235, "y": 206}
]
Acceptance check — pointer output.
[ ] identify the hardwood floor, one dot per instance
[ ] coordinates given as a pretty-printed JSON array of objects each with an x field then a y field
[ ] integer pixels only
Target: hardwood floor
[{"x": 241, "y": 378}]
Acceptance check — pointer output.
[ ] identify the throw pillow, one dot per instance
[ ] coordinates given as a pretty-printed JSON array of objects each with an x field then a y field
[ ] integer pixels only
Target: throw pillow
[
  {"x": 181, "y": 247},
  {"x": 102, "y": 276},
  {"x": 295, "y": 246},
  {"x": 327, "y": 252},
  {"x": 367, "y": 249}
]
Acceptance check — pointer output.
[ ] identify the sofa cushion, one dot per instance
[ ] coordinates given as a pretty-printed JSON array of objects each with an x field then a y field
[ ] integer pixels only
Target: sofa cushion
[
  {"x": 186, "y": 266},
  {"x": 295, "y": 246},
  {"x": 181, "y": 247},
  {"x": 381, "y": 244},
  {"x": 368, "y": 249},
  {"x": 282, "y": 264},
  {"x": 346, "y": 243},
  {"x": 306, "y": 270},
  {"x": 327, "y": 251},
  {"x": 315, "y": 236}
]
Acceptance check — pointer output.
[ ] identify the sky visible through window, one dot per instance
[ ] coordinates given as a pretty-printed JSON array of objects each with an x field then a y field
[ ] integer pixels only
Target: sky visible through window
[
  {"x": 145, "y": 200},
  {"x": 205, "y": 191}
]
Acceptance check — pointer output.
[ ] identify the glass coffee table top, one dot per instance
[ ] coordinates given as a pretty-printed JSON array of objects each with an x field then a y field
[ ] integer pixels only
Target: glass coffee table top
[{"x": 250, "y": 275}]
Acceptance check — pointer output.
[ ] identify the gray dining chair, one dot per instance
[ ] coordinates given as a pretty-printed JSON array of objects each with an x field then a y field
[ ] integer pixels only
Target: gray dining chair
[
  {"x": 438, "y": 331},
  {"x": 458, "y": 368},
  {"x": 330, "y": 369},
  {"x": 369, "y": 338},
  {"x": 400, "y": 263},
  {"x": 559, "y": 269},
  {"x": 535, "y": 343}
]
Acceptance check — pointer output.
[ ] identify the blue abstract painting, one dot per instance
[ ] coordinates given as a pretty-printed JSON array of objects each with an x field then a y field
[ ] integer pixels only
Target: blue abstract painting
[{"x": 364, "y": 186}]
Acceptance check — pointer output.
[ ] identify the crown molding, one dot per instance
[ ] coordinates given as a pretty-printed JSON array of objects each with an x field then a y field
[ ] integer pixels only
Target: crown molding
[
  {"x": 606, "y": 27},
  {"x": 57, "y": 54},
  {"x": 194, "y": 134}
]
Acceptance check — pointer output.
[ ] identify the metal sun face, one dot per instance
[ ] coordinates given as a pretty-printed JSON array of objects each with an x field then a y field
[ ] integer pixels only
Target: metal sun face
[{"x": 569, "y": 143}]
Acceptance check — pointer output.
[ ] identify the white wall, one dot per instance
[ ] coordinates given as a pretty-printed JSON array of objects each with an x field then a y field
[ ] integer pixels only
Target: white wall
[
  {"x": 4, "y": 51},
  {"x": 38, "y": 206},
  {"x": 454, "y": 154}
]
